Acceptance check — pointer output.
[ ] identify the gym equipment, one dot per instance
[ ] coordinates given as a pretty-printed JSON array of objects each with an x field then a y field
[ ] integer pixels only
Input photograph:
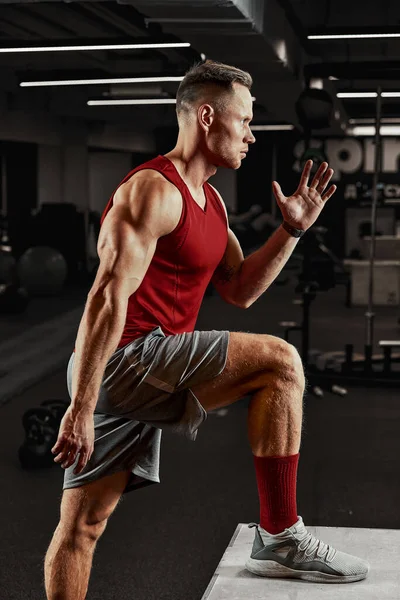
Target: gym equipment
[
  {"x": 314, "y": 108},
  {"x": 57, "y": 407},
  {"x": 41, "y": 431},
  {"x": 252, "y": 227},
  {"x": 13, "y": 298},
  {"x": 334, "y": 370},
  {"x": 321, "y": 271},
  {"x": 41, "y": 425},
  {"x": 42, "y": 271}
]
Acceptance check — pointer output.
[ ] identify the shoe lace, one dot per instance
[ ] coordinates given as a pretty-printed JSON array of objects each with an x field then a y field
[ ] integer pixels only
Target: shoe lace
[{"x": 311, "y": 546}]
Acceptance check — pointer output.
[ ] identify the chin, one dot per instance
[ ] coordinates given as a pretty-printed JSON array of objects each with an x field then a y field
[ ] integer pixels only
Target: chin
[{"x": 231, "y": 163}]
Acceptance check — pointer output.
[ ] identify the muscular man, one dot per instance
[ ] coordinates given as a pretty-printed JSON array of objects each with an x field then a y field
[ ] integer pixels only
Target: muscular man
[{"x": 139, "y": 367}]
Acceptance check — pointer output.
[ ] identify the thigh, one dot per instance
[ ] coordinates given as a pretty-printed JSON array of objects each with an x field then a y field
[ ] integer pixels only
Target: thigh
[
  {"x": 93, "y": 503},
  {"x": 250, "y": 359}
]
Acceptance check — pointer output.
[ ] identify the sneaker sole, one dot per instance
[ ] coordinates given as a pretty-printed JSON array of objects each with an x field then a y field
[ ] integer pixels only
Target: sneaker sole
[{"x": 270, "y": 568}]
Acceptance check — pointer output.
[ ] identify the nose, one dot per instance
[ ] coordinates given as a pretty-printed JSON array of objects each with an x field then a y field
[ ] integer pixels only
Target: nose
[{"x": 250, "y": 139}]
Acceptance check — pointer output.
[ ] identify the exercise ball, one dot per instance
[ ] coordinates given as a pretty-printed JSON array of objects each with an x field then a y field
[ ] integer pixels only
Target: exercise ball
[{"x": 42, "y": 271}]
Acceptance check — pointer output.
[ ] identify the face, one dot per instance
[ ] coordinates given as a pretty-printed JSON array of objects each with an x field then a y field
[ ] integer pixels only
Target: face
[{"x": 228, "y": 133}]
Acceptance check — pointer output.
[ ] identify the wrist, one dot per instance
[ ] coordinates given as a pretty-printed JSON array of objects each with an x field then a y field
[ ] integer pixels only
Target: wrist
[
  {"x": 293, "y": 231},
  {"x": 78, "y": 409}
]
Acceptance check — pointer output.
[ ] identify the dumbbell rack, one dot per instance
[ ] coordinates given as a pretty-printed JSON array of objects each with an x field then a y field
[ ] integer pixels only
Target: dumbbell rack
[{"x": 331, "y": 371}]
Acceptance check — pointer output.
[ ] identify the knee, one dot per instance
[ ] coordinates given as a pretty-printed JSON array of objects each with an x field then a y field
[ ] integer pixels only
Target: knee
[
  {"x": 84, "y": 529},
  {"x": 288, "y": 366}
]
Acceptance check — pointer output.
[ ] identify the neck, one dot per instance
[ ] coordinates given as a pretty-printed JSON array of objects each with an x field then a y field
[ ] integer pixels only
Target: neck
[{"x": 191, "y": 163}]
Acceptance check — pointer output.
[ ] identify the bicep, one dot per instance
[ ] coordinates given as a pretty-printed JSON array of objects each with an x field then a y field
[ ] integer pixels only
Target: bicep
[{"x": 226, "y": 274}]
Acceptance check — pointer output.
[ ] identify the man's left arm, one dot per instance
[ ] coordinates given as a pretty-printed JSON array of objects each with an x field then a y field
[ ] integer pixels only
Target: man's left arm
[
  {"x": 263, "y": 266},
  {"x": 299, "y": 212}
]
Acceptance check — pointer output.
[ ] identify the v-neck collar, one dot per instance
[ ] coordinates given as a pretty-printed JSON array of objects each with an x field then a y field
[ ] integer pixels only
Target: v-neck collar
[{"x": 203, "y": 210}]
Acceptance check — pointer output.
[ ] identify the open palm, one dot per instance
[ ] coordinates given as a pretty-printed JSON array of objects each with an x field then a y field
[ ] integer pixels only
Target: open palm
[{"x": 302, "y": 209}]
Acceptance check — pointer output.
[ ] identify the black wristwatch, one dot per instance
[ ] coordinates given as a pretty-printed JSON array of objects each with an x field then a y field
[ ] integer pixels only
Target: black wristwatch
[{"x": 292, "y": 230}]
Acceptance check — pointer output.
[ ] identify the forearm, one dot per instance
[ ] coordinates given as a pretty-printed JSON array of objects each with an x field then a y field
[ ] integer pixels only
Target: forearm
[
  {"x": 98, "y": 337},
  {"x": 261, "y": 268}
]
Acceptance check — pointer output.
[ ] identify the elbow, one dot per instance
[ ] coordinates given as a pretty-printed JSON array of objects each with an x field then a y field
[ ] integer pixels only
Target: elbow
[{"x": 242, "y": 305}]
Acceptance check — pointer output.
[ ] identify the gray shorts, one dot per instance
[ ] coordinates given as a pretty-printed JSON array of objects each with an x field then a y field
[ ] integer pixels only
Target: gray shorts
[{"x": 146, "y": 389}]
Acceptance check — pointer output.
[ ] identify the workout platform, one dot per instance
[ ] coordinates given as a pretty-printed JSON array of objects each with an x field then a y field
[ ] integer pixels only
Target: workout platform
[{"x": 380, "y": 547}]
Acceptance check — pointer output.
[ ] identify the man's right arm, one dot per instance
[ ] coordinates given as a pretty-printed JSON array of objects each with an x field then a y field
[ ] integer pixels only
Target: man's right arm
[{"x": 126, "y": 246}]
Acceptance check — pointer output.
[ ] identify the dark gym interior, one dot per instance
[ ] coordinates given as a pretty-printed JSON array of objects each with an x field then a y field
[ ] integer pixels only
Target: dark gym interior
[{"x": 337, "y": 299}]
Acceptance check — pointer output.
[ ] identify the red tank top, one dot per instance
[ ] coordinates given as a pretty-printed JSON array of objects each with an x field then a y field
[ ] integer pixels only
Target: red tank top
[{"x": 173, "y": 288}]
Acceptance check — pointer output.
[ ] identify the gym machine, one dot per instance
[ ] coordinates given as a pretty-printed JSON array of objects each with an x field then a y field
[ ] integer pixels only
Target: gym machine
[{"x": 331, "y": 371}]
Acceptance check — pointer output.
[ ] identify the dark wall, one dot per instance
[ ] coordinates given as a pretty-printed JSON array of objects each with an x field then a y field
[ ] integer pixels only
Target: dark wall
[
  {"x": 255, "y": 175},
  {"x": 21, "y": 173}
]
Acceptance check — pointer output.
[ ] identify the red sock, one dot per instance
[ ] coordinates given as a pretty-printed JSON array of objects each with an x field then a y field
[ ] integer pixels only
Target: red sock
[{"x": 276, "y": 482}]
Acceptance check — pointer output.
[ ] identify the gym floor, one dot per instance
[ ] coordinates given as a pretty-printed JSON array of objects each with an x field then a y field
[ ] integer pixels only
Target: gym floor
[{"x": 165, "y": 541}]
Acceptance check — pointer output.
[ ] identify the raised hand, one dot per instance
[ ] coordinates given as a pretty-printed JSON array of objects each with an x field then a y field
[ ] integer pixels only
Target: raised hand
[{"x": 302, "y": 209}]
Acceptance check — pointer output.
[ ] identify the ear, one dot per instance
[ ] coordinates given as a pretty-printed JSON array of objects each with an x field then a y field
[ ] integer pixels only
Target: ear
[{"x": 205, "y": 115}]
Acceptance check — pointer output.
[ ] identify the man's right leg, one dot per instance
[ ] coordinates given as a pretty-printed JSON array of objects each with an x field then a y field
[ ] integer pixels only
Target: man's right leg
[
  {"x": 83, "y": 519},
  {"x": 271, "y": 371}
]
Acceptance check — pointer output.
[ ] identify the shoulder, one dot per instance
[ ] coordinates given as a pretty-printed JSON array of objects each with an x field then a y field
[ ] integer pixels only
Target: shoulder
[
  {"x": 147, "y": 182},
  {"x": 150, "y": 200}
]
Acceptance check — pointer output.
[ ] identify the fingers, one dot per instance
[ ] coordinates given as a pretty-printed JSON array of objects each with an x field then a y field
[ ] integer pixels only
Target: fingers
[
  {"x": 278, "y": 192},
  {"x": 61, "y": 448},
  {"x": 306, "y": 173},
  {"x": 324, "y": 181},
  {"x": 316, "y": 182},
  {"x": 66, "y": 453},
  {"x": 329, "y": 193},
  {"x": 82, "y": 462}
]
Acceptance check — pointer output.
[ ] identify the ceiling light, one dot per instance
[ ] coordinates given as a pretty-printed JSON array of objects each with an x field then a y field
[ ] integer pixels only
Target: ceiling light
[
  {"x": 390, "y": 94},
  {"x": 128, "y": 102},
  {"x": 357, "y": 94},
  {"x": 371, "y": 130},
  {"x": 276, "y": 127},
  {"x": 372, "y": 120},
  {"x": 367, "y": 94},
  {"x": 98, "y": 81},
  {"x": 91, "y": 47},
  {"x": 352, "y": 36}
]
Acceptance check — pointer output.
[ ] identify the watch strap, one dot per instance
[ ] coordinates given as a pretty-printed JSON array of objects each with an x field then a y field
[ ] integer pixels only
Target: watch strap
[{"x": 292, "y": 230}]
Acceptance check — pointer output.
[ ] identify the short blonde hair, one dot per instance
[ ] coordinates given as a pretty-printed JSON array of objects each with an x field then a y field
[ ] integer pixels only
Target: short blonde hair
[{"x": 201, "y": 75}]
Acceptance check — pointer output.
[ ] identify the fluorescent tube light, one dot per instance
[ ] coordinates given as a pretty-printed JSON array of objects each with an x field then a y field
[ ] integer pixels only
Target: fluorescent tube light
[
  {"x": 88, "y": 47},
  {"x": 128, "y": 102},
  {"x": 367, "y": 94},
  {"x": 390, "y": 94},
  {"x": 98, "y": 81},
  {"x": 352, "y": 36},
  {"x": 357, "y": 94},
  {"x": 271, "y": 127},
  {"x": 371, "y": 130},
  {"x": 131, "y": 102},
  {"x": 372, "y": 120}
]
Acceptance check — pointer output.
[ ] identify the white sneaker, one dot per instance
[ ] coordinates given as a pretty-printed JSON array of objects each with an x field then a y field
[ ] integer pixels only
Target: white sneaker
[{"x": 297, "y": 553}]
